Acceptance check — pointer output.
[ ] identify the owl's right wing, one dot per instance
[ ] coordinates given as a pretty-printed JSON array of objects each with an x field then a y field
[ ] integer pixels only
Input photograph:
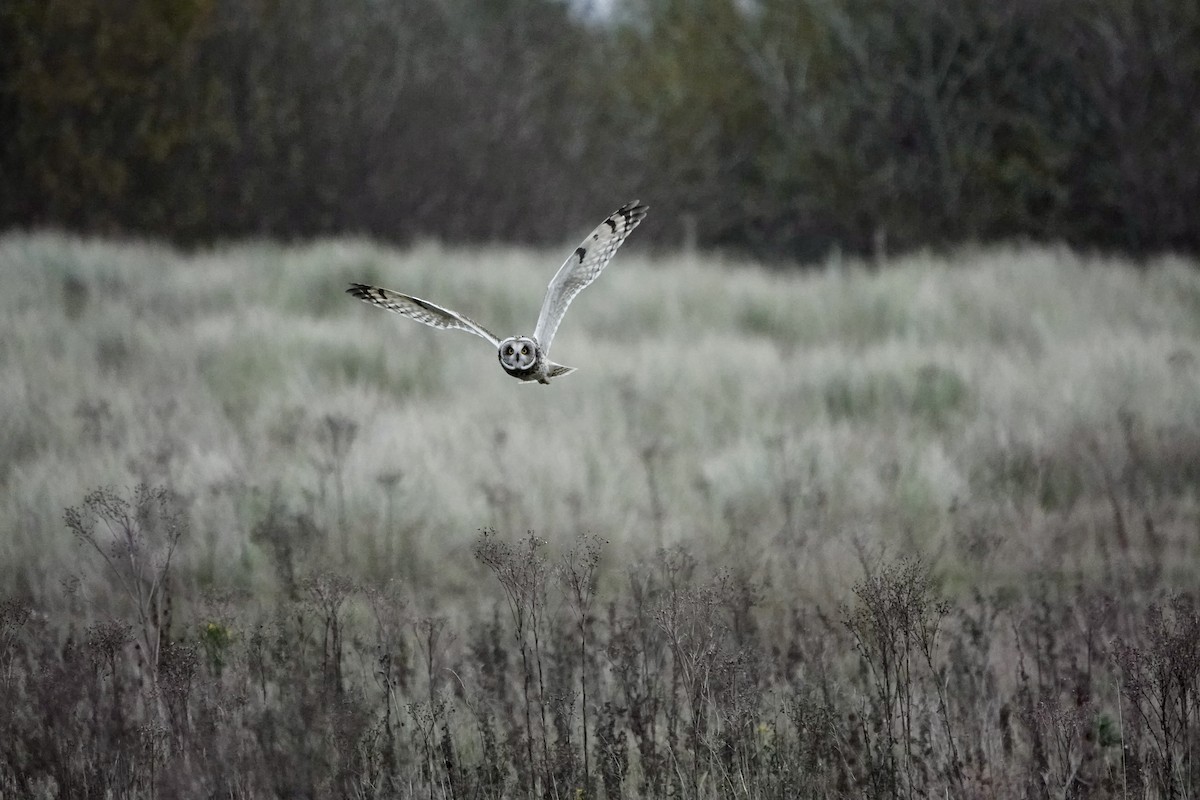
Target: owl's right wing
[
  {"x": 420, "y": 310},
  {"x": 583, "y": 266}
]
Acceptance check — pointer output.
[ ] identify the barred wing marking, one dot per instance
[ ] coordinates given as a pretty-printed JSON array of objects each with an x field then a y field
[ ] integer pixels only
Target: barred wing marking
[
  {"x": 420, "y": 310},
  {"x": 583, "y": 266}
]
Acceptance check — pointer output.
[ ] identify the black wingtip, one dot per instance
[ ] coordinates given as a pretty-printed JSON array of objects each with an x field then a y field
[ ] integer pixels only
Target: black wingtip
[{"x": 633, "y": 211}]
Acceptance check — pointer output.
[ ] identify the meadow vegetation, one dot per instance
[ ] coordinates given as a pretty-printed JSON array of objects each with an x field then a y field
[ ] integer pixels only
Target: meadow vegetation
[{"x": 922, "y": 528}]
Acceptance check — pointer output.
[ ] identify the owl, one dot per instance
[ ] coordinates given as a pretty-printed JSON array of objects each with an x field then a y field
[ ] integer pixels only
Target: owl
[{"x": 526, "y": 358}]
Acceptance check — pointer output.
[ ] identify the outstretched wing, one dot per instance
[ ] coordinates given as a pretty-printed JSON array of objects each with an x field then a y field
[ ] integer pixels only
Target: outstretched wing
[
  {"x": 588, "y": 260},
  {"x": 420, "y": 310}
]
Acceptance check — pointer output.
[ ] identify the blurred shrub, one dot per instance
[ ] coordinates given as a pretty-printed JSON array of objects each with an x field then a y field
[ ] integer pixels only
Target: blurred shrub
[{"x": 782, "y": 127}]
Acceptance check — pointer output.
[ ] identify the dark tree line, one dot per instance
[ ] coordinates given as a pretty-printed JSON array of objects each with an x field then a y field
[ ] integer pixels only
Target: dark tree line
[{"x": 782, "y": 127}]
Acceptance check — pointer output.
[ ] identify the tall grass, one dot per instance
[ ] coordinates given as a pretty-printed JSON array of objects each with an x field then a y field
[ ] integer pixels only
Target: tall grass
[{"x": 912, "y": 531}]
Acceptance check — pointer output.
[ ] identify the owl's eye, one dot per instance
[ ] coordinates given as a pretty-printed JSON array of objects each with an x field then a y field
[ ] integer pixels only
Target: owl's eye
[
  {"x": 525, "y": 351},
  {"x": 508, "y": 351}
]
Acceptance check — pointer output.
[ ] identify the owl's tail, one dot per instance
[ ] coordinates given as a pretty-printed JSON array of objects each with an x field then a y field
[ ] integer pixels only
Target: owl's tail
[{"x": 557, "y": 370}]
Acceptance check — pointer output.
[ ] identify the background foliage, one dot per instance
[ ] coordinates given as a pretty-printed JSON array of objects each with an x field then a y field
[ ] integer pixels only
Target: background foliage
[{"x": 777, "y": 126}]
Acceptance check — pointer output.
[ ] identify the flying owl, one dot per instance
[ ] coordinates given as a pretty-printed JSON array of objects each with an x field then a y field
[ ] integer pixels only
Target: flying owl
[{"x": 526, "y": 358}]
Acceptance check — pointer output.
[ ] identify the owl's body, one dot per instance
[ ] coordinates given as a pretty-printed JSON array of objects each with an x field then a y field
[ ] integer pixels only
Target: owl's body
[{"x": 525, "y": 357}]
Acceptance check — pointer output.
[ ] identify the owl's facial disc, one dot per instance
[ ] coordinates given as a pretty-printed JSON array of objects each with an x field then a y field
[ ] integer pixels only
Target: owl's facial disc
[{"x": 518, "y": 352}]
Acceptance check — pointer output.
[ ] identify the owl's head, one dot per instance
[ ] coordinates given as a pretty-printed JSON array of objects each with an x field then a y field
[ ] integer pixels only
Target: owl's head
[{"x": 518, "y": 353}]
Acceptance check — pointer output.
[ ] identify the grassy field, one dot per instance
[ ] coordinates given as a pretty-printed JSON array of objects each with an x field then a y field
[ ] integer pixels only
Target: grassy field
[{"x": 923, "y": 529}]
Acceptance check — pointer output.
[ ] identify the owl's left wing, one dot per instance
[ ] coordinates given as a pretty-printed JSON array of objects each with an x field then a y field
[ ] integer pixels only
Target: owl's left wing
[
  {"x": 421, "y": 310},
  {"x": 583, "y": 266}
]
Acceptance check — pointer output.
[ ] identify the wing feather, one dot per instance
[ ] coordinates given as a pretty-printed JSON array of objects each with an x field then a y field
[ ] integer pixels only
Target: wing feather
[
  {"x": 421, "y": 310},
  {"x": 583, "y": 266}
]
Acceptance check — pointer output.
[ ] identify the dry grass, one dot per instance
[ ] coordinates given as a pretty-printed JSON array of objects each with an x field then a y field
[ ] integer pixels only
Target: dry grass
[{"x": 1024, "y": 422}]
